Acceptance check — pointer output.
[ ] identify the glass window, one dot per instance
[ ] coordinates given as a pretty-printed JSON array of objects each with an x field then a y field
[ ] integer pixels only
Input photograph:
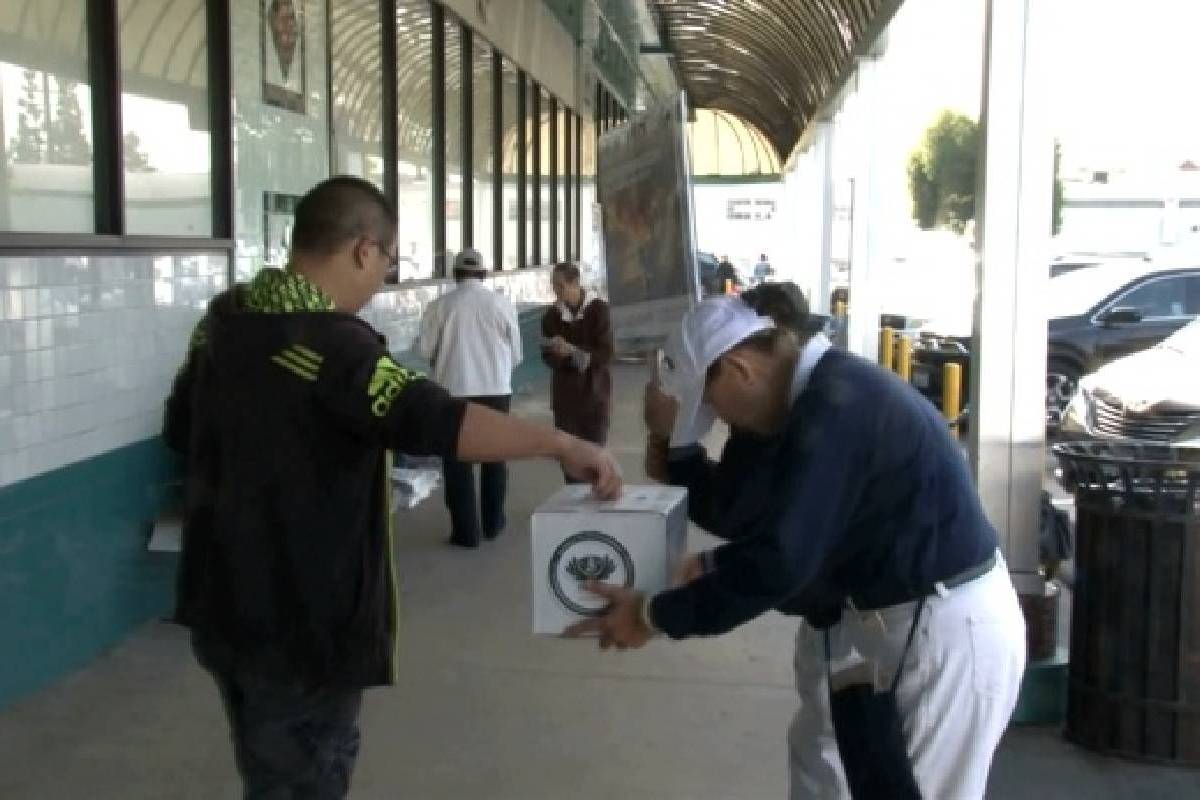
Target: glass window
[
  {"x": 164, "y": 113},
  {"x": 484, "y": 198},
  {"x": 508, "y": 137},
  {"x": 546, "y": 185},
  {"x": 1192, "y": 308},
  {"x": 414, "y": 128},
  {"x": 45, "y": 119},
  {"x": 564, "y": 181},
  {"x": 589, "y": 223},
  {"x": 577, "y": 186},
  {"x": 454, "y": 139},
  {"x": 356, "y": 91},
  {"x": 1164, "y": 297},
  {"x": 533, "y": 172},
  {"x": 281, "y": 119},
  {"x": 554, "y": 179}
]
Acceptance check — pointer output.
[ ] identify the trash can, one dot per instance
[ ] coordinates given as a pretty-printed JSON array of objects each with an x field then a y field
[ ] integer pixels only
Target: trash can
[{"x": 1134, "y": 675}]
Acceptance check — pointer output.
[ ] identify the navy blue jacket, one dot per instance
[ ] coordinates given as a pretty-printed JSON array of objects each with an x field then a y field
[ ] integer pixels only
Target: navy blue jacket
[{"x": 864, "y": 496}]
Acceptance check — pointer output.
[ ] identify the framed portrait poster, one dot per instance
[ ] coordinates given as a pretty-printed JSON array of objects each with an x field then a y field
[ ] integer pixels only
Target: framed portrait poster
[
  {"x": 282, "y": 52},
  {"x": 649, "y": 251}
]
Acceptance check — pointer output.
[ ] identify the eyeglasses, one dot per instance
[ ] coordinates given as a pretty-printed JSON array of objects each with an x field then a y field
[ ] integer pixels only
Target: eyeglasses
[{"x": 393, "y": 258}]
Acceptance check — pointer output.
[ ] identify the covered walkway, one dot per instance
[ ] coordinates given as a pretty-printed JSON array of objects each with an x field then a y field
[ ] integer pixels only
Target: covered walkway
[{"x": 485, "y": 709}]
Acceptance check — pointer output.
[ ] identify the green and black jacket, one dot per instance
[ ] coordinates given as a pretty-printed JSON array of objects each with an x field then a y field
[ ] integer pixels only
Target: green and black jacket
[{"x": 285, "y": 411}]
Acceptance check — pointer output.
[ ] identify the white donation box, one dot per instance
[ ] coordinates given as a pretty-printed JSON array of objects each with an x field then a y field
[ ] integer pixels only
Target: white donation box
[{"x": 637, "y": 542}]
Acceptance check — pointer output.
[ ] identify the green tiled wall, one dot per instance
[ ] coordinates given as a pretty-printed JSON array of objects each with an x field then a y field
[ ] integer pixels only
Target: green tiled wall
[{"x": 75, "y": 575}]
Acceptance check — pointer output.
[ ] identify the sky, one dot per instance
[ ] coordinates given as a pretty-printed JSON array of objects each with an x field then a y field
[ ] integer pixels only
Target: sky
[{"x": 1118, "y": 73}]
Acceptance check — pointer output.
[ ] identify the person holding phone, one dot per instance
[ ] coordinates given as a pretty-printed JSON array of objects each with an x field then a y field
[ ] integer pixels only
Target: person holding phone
[{"x": 577, "y": 345}]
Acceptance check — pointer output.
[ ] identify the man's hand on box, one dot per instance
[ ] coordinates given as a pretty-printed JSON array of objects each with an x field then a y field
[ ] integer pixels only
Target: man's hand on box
[
  {"x": 587, "y": 462},
  {"x": 622, "y": 626}
]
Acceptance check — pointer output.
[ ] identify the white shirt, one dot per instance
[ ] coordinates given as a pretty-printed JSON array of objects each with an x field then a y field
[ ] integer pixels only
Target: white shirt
[
  {"x": 471, "y": 337},
  {"x": 814, "y": 349}
]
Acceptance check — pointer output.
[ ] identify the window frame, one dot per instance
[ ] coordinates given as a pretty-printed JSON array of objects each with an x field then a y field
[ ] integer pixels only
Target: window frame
[
  {"x": 103, "y": 80},
  {"x": 1116, "y": 300}
]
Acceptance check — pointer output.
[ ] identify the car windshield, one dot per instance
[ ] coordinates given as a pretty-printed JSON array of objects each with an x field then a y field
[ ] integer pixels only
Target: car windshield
[
  {"x": 1186, "y": 340},
  {"x": 1076, "y": 292}
]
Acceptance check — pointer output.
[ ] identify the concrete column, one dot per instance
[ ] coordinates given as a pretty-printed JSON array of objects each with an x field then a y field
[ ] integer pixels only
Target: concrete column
[
  {"x": 1008, "y": 373},
  {"x": 866, "y": 250},
  {"x": 822, "y": 192}
]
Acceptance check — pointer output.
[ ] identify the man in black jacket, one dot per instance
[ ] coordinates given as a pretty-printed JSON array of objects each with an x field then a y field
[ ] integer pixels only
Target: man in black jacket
[
  {"x": 856, "y": 510},
  {"x": 285, "y": 411}
]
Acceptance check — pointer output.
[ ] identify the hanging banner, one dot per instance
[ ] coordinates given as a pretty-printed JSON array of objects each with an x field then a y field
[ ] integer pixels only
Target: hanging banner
[{"x": 645, "y": 194}]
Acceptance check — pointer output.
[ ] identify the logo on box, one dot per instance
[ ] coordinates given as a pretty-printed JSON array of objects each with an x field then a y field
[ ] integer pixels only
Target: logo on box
[{"x": 588, "y": 556}]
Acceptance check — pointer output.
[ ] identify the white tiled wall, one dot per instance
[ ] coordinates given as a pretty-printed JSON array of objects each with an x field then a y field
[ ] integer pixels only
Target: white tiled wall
[
  {"x": 88, "y": 348},
  {"x": 89, "y": 345}
]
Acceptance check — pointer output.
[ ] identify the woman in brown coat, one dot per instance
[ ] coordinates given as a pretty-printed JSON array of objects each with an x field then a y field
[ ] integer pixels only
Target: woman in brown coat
[{"x": 577, "y": 345}]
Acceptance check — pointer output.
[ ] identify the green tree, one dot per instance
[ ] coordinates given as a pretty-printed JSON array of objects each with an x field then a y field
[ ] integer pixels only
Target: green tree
[
  {"x": 941, "y": 173},
  {"x": 68, "y": 145},
  {"x": 28, "y": 146}
]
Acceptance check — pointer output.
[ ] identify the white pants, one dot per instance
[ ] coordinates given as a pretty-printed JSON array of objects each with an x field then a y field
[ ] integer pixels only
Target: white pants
[{"x": 956, "y": 695}]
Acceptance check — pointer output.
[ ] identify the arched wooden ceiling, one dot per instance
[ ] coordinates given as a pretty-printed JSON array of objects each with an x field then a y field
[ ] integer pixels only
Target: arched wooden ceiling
[{"x": 771, "y": 62}]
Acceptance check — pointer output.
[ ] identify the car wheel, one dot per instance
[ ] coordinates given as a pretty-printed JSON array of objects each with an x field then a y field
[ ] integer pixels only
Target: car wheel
[{"x": 1062, "y": 380}]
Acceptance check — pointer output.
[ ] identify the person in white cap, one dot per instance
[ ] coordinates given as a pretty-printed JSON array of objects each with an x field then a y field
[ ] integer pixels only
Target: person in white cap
[
  {"x": 472, "y": 339},
  {"x": 861, "y": 516}
]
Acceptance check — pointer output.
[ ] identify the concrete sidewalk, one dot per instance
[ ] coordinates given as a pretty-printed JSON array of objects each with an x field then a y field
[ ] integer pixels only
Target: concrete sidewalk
[{"x": 486, "y": 710}]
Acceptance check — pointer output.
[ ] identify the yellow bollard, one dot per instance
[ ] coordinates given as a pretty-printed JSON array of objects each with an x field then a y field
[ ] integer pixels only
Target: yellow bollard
[
  {"x": 887, "y": 349},
  {"x": 904, "y": 359},
  {"x": 952, "y": 394}
]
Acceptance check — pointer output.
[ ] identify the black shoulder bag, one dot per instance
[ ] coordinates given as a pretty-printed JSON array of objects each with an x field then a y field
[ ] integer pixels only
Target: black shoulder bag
[{"x": 870, "y": 733}]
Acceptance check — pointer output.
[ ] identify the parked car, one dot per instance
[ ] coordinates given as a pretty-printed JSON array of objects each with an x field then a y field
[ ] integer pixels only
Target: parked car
[
  {"x": 1096, "y": 315},
  {"x": 1101, "y": 314},
  {"x": 1149, "y": 396}
]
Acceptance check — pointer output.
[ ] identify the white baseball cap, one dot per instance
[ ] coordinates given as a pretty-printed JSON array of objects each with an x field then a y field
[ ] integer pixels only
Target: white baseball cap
[
  {"x": 469, "y": 259},
  {"x": 706, "y": 333}
]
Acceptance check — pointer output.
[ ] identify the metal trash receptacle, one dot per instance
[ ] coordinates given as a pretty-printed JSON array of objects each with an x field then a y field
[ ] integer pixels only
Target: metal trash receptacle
[{"x": 1134, "y": 675}]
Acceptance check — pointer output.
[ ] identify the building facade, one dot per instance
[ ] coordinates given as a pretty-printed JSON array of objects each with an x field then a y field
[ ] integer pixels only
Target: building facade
[{"x": 151, "y": 154}]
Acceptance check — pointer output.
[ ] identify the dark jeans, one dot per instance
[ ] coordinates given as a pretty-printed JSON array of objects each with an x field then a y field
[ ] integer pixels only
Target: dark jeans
[
  {"x": 460, "y": 490},
  {"x": 290, "y": 743}
]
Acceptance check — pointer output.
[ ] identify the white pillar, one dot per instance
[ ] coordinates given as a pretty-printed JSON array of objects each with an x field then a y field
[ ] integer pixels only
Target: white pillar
[
  {"x": 822, "y": 186},
  {"x": 866, "y": 250},
  {"x": 1008, "y": 373}
]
